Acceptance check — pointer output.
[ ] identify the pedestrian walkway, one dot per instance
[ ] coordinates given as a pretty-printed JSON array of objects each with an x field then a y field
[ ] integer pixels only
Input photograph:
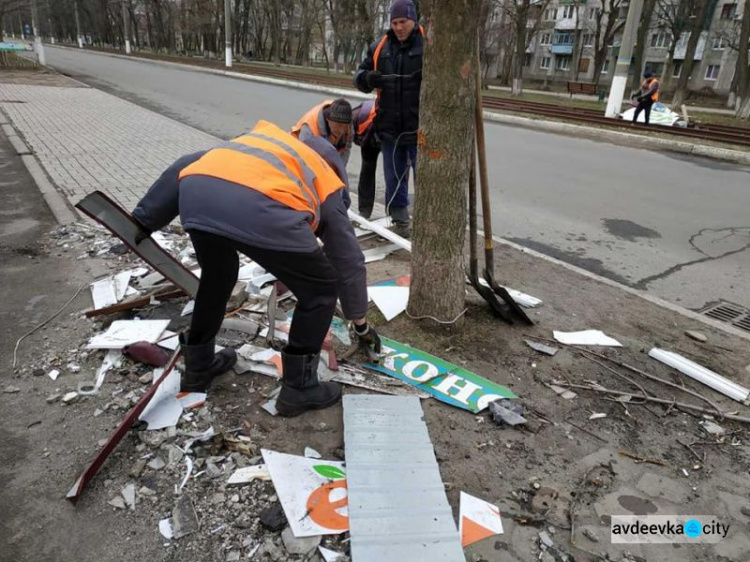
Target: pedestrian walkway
[{"x": 88, "y": 140}]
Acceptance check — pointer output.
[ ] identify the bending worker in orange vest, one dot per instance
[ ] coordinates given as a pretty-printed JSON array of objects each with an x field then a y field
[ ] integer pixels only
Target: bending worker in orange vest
[
  {"x": 268, "y": 195},
  {"x": 647, "y": 96},
  {"x": 331, "y": 120}
]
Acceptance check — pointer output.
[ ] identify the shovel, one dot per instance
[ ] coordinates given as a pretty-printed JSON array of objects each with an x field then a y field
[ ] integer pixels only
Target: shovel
[
  {"x": 489, "y": 253},
  {"x": 499, "y": 309}
]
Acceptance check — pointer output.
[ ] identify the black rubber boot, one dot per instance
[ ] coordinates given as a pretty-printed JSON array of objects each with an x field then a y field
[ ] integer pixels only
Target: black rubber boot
[
  {"x": 202, "y": 365},
  {"x": 400, "y": 216},
  {"x": 300, "y": 389}
]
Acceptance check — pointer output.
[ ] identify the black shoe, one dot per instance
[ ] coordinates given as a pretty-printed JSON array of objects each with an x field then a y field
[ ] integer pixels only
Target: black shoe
[
  {"x": 202, "y": 365},
  {"x": 365, "y": 213},
  {"x": 402, "y": 229},
  {"x": 300, "y": 389}
]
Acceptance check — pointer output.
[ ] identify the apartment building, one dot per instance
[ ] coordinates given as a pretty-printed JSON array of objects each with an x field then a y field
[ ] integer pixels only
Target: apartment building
[{"x": 568, "y": 34}]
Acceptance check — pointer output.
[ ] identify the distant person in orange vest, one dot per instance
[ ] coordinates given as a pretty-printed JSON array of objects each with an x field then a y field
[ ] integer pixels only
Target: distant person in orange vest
[
  {"x": 393, "y": 67},
  {"x": 331, "y": 120},
  {"x": 648, "y": 95},
  {"x": 269, "y": 196},
  {"x": 363, "y": 116}
]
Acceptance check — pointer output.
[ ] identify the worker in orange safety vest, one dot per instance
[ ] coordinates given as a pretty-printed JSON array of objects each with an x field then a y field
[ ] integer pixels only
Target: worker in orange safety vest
[
  {"x": 270, "y": 196},
  {"x": 332, "y": 120},
  {"x": 647, "y": 96}
]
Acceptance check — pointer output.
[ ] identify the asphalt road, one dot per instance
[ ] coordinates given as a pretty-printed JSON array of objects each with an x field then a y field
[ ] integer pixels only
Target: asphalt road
[{"x": 677, "y": 227}]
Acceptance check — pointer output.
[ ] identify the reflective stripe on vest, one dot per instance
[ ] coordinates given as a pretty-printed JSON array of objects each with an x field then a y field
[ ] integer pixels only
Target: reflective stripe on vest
[{"x": 274, "y": 163}]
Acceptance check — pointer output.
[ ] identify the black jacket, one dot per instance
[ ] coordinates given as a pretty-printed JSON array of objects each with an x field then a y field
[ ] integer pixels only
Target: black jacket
[{"x": 401, "y": 66}]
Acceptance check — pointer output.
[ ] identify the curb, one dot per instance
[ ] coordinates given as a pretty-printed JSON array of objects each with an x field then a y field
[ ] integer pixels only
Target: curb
[
  {"x": 56, "y": 203},
  {"x": 557, "y": 127},
  {"x": 726, "y": 328}
]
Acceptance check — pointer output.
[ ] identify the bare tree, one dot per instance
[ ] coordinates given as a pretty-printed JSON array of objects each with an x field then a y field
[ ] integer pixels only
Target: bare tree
[
  {"x": 672, "y": 16},
  {"x": 640, "y": 44},
  {"x": 520, "y": 12},
  {"x": 606, "y": 26},
  {"x": 700, "y": 11},
  {"x": 445, "y": 148},
  {"x": 742, "y": 103}
]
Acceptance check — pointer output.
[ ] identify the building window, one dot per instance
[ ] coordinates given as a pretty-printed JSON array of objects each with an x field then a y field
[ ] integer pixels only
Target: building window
[
  {"x": 545, "y": 62},
  {"x": 583, "y": 65},
  {"x": 527, "y": 59},
  {"x": 605, "y": 67},
  {"x": 712, "y": 72},
  {"x": 588, "y": 39},
  {"x": 550, "y": 14},
  {"x": 720, "y": 43},
  {"x": 728, "y": 11},
  {"x": 546, "y": 39},
  {"x": 660, "y": 40},
  {"x": 562, "y": 63},
  {"x": 563, "y": 38},
  {"x": 591, "y": 14},
  {"x": 623, "y": 13},
  {"x": 568, "y": 12},
  {"x": 676, "y": 69},
  {"x": 655, "y": 68}
]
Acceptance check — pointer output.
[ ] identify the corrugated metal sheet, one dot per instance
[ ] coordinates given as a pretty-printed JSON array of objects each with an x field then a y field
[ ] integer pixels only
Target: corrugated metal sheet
[{"x": 398, "y": 509}]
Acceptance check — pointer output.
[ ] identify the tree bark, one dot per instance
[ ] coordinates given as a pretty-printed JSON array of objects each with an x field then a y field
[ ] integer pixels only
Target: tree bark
[
  {"x": 446, "y": 139},
  {"x": 743, "y": 70},
  {"x": 640, "y": 45},
  {"x": 522, "y": 15},
  {"x": 687, "y": 63}
]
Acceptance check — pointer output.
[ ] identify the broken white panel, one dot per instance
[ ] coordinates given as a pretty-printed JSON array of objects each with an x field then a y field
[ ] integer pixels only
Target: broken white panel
[
  {"x": 125, "y": 332},
  {"x": 398, "y": 509},
  {"x": 112, "y": 359},
  {"x": 161, "y": 239},
  {"x": 586, "y": 337},
  {"x": 391, "y": 301},
  {"x": 197, "y": 436},
  {"x": 380, "y": 253},
  {"x": 312, "y": 493},
  {"x": 478, "y": 520},
  {"x": 139, "y": 271},
  {"x": 311, "y": 453},
  {"x": 331, "y": 555},
  {"x": 103, "y": 293},
  {"x": 247, "y": 474},
  {"x": 164, "y": 409},
  {"x": 188, "y": 309},
  {"x": 380, "y": 231},
  {"x": 169, "y": 340},
  {"x": 702, "y": 375},
  {"x": 53, "y": 374},
  {"x": 526, "y": 301},
  {"x": 165, "y": 528},
  {"x": 383, "y": 222}
]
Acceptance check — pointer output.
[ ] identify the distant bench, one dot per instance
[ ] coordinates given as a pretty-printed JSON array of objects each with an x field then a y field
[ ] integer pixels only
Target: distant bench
[{"x": 582, "y": 88}]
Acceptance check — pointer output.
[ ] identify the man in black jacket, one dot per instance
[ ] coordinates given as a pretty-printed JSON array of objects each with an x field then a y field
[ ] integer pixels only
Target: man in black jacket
[{"x": 393, "y": 67}]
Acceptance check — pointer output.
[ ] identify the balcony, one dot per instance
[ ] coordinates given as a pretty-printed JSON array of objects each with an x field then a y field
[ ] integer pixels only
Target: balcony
[
  {"x": 566, "y": 24},
  {"x": 561, "y": 49}
]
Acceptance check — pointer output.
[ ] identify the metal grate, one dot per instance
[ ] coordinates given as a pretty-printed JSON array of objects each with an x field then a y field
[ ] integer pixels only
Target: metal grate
[{"x": 731, "y": 313}]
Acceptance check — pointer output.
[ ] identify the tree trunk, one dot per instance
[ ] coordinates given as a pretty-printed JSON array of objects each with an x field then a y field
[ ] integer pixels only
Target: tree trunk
[
  {"x": 666, "y": 79},
  {"x": 522, "y": 14},
  {"x": 446, "y": 139},
  {"x": 648, "y": 10},
  {"x": 687, "y": 63},
  {"x": 743, "y": 70}
]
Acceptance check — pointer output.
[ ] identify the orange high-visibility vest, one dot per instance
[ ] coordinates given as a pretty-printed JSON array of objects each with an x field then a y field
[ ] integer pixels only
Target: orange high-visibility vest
[
  {"x": 317, "y": 123},
  {"x": 274, "y": 163},
  {"x": 313, "y": 119},
  {"x": 362, "y": 127},
  {"x": 648, "y": 83}
]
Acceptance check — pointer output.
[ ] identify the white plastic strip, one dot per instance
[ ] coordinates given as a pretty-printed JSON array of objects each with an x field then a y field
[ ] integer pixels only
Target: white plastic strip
[
  {"x": 381, "y": 231},
  {"x": 702, "y": 375}
]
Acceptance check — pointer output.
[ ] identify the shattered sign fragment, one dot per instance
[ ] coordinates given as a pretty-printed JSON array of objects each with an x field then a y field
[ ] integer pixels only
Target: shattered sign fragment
[
  {"x": 312, "y": 492},
  {"x": 586, "y": 337},
  {"x": 478, "y": 520},
  {"x": 126, "y": 332},
  {"x": 447, "y": 382}
]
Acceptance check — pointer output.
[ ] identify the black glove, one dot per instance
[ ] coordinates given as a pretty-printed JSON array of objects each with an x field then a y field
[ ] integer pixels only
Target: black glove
[
  {"x": 367, "y": 336},
  {"x": 633, "y": 95},
  {"x": 374, "y": 79},
  {"x": 142, "y": 232}
]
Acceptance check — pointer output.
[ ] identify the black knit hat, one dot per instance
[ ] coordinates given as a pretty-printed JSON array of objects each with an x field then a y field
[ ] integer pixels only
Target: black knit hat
[
  {"x": 403, "y": 9},
  {"x": 340, "y": 111}
]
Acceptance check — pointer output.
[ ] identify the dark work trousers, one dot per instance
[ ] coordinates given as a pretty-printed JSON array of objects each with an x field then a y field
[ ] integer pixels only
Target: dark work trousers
[
  {"x": 309, "y": 275},
  {"x": 643, "y": 106},
  {"x": 366, "y": 186},
  {"x": 397, "y": 159}
]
